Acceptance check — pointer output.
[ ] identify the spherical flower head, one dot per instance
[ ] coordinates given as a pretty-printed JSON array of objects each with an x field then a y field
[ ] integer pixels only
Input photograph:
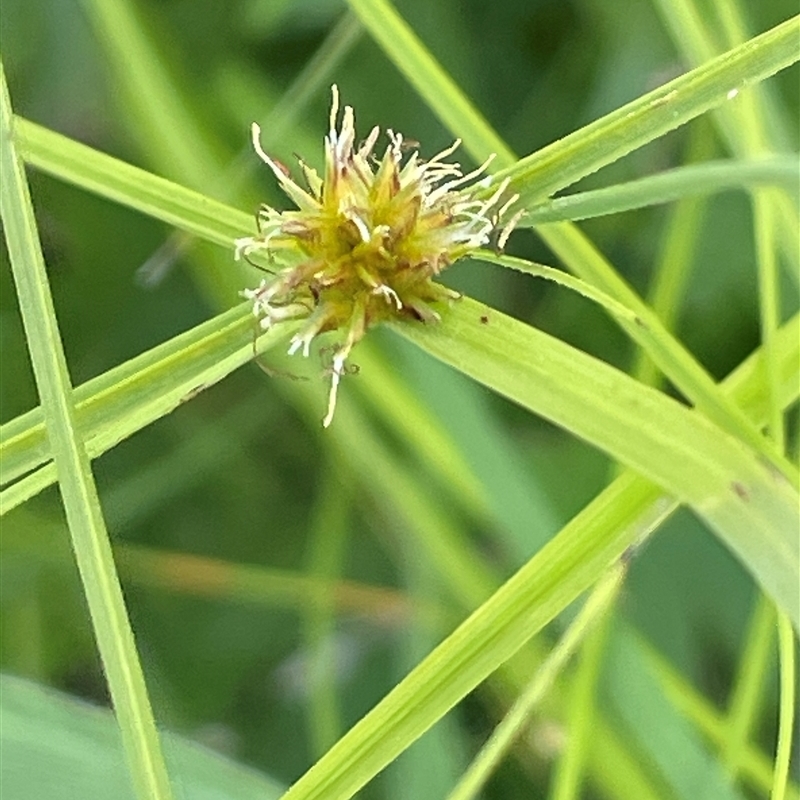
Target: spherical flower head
[{"x": 367, "y": 237}]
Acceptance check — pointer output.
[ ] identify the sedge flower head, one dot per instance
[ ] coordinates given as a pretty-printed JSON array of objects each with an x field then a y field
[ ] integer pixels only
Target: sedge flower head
[{"x": 367, "y": 237}]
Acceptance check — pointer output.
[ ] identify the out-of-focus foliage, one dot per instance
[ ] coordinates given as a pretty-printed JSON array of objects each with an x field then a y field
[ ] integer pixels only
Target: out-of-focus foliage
[{"x": 241, "y": 475}]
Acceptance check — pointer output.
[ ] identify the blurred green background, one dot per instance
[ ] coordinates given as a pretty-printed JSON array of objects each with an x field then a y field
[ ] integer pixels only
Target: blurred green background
[{"x": 241, "y": 474}]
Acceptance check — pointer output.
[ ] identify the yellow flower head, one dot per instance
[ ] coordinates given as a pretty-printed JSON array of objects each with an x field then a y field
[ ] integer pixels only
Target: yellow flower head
[{"x": 367, "y": 237}]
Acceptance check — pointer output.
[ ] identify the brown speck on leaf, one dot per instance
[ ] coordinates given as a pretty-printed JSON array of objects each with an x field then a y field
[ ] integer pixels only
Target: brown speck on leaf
[
  {"x": 484, "y": 319},
  {"x": 282, "y": 167},
  {"x": 740, "y": 490},
  {"x": 192, "y": 393}
]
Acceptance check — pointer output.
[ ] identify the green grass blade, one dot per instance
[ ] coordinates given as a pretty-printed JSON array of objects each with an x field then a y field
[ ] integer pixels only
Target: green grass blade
[
  {"x": 686, "y": 769},
  {"x": 600, "y": 143},
  {"x": 765, "y": 224},
  {"x": 614, "y": 765},
  {"x": 786, "y": 719},
  {"x": 79, "y": 493},
  {"x": 194, "y": 213},
  {"x": 672, "y": 358},
  {"x": 431, "y": 765},
  {"x": 676, "y": 255},
  {"x": 327, "y": 543},
  {"x": 115, "y": 405},
  {"x": 410, "y": 56},
  {"x": 558, "y": 573},
  {"x": 174, "y": 136},
  {"x": 617, "y": 518},
  {"x": 597, "y": 604},
  {"x": 775, "y": 123},
  {"x": 652, "y": 115},
  {"x": 58, "y": 748},
  {"x": 703, "y": 179},
  {"x": 390, "y": 396},
  {"x": 744, "y": 706},
  {"x": 136, "y": 188},
  {"x": 683, "y": 452},
  {"x": 742, "y": 124},
  {"x": 696, "y": 38},
  {"x": 618, "y": 310},
  {"x": 756, "y": 768},
  {"x": 226, "y": 581},
  {"x": 582, "y": 712}
]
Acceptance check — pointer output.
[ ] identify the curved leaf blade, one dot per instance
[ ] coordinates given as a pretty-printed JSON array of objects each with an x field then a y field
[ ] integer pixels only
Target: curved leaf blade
[
  {"x": 752, "y": 507},
  {"x": 60, "y": 748}
]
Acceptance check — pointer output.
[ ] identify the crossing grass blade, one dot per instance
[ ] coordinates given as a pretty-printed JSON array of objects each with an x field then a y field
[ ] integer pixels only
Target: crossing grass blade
[
  {"x": 90, "y": 540},
  {"x": 689, "y": 457},
  {"x": 115, "y": 405},
  {"x": 665, "y": 187}
]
